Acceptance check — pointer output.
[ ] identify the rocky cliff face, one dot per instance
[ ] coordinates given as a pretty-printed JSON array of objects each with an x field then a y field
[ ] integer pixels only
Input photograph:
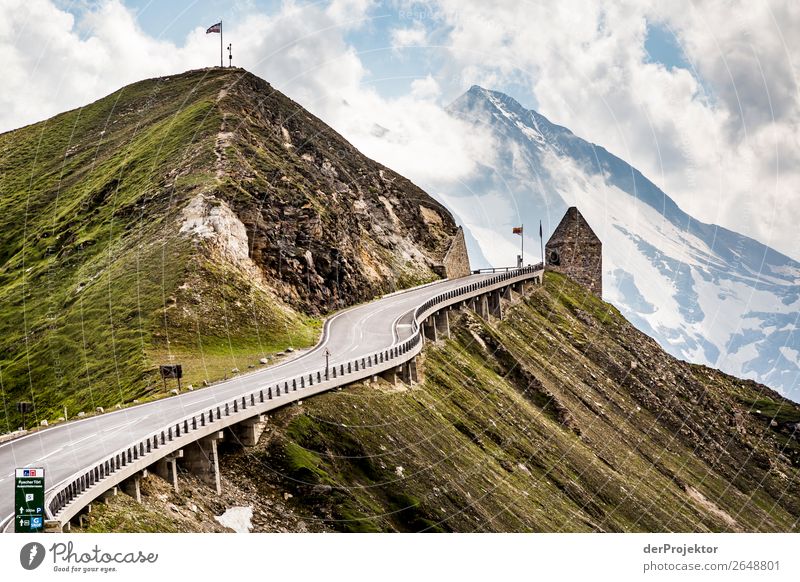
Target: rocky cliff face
[
  {"x": 202, "y": 218},
  {"x": 325, "y": 224}
]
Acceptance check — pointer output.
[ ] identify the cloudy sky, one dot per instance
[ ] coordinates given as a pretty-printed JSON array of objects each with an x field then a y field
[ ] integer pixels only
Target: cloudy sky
[{"x": 700, "y": 95}]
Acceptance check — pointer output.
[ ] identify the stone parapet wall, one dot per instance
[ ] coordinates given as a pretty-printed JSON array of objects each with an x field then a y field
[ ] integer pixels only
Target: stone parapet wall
[{"x": 456, "y": 260}]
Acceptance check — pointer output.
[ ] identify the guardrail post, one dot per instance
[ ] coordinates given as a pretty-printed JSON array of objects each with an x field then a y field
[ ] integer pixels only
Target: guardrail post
[
  {"x": 269, "y": 392},
  {"x": 294, "y": 384}
]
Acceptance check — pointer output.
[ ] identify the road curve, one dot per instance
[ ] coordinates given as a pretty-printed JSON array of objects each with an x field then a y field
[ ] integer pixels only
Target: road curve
[{"x": 66, "y": 448}]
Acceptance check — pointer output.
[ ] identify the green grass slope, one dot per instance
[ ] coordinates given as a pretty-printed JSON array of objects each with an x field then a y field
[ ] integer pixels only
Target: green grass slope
[
  {"x": 562, "y": 417},
  {"x": 202, "y": 219}
]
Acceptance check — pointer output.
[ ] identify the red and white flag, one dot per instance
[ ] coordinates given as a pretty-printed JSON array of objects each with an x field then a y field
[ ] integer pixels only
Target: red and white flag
[{"x": 215, "y": 28}]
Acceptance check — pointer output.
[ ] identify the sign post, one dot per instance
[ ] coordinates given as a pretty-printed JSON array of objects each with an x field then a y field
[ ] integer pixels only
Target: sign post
[
  {"x": 24, "y": 408},
  {"x": 29, "y": 500},
  {"x": 171, "y": 371}
]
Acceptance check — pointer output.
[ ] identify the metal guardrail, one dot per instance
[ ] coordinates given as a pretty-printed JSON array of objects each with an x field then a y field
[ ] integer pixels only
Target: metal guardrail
[
  {"x": 86, "y": 485},
  {"x": 498, "y": 270}
]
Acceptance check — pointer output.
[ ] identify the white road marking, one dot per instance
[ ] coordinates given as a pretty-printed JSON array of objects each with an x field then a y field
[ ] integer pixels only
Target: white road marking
[
  {"x": 203, "y": 400},
  {"x": 50, "y": 454},
  {"x": 73, "y": 443}
]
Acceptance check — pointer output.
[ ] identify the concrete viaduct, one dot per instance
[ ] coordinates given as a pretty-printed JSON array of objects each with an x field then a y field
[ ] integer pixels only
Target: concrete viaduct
[{"x": 192, "y": 440}]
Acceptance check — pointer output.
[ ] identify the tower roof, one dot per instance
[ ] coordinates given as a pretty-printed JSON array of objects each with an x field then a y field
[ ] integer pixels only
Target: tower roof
[{"x": 573, "y": 224}]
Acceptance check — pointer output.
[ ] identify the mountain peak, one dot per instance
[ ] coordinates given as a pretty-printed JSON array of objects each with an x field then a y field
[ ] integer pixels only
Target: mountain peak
[
  {"x": 666, "y": 271},
  {"x": 203, "y": 207}
]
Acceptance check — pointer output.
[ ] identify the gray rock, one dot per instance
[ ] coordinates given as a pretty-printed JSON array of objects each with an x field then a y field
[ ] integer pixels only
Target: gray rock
[{"x": 263, "y": 361}]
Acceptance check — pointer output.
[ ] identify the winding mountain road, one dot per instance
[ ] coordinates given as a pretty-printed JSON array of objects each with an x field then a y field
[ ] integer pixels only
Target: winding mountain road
[{"x": 66, "y": 448}]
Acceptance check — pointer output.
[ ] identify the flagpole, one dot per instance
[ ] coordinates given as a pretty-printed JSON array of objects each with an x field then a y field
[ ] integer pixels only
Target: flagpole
[
  {"x": 220, "y": 43},
  {"x": 522, "y": 245},
  {"x": 541, "y": 240}
]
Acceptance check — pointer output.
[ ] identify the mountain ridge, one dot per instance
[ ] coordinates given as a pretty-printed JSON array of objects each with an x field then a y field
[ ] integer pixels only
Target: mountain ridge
[{"x": 733, "y": 296}]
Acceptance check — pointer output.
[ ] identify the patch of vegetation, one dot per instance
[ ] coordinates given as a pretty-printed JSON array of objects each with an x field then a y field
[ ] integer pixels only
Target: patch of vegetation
[
  {"x": 601, "y": 444},
  {"x": 93, "y": 291}
]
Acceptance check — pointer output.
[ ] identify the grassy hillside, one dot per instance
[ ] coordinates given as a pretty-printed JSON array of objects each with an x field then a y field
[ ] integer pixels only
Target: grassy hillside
[
  {"x": 562, "y": 417},
  {"x": 199, "y": 219}
]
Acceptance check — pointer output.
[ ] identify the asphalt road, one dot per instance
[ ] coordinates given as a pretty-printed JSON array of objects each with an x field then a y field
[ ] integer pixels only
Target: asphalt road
[{"x": 64, "y": 449}]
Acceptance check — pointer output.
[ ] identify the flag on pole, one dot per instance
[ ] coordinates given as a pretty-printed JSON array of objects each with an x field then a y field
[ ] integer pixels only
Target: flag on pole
[
  {"x": 517, "y": 230},
  {"x": 217, "y": 28}
]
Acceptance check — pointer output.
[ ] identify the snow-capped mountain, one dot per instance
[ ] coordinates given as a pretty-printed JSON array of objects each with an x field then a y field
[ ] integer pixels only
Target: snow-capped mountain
[{"x": 705, "y": 293}]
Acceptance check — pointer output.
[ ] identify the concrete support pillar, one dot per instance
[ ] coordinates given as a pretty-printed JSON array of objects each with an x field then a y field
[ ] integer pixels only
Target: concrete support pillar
[
  {"x": 390, "y": 375},
  {"x": 508, "y": 293},
  {"x": 481, "y": 306},
  {"x": 408, "y": 372},
  {"x": 429, "y": 330},
  {"x": 249, "y": 431},
  {"x": 410, "y": 375},
  {"x": 109, "y": 494},
  {"x": 202, "y": 459},
  {"x": 442, "y": 323},
  {"x": 167, "y": 468},
  {"x": 495, "y": 307},
  {"x": 130, "y": 486}
]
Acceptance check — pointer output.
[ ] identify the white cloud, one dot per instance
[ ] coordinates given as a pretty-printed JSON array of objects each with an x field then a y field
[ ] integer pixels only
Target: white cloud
[
  {"x": 730, "y": 157},
  {"x": 349, "y": 13},
  {"x": 57, "y": 63},
  {"x": 412, "y": 36},
  {"x": 425, "y": 88}
]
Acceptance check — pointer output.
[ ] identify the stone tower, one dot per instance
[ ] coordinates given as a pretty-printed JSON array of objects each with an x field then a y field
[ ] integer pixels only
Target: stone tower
[{"x": 575, "y": 251}]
